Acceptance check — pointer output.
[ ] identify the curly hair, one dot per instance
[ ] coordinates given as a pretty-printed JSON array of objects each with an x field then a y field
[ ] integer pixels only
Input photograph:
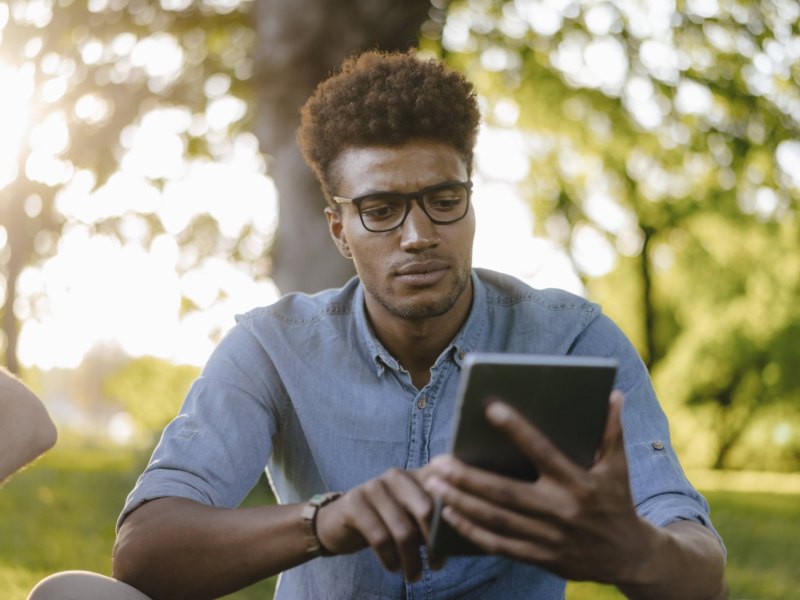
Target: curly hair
[{"x": 380, "y": 98}]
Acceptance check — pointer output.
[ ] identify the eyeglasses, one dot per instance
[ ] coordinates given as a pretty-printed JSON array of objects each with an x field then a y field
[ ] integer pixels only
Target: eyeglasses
[{"x": 443, "y": 203}]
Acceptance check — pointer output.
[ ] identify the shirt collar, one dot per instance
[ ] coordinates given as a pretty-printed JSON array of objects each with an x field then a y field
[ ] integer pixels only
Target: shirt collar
[
  {"x": 466, "y": 340},
  {"x": 379, "y": 355}
]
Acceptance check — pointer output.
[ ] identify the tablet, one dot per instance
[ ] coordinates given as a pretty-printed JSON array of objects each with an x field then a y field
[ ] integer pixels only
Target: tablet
[{"x": 566, "y": 397}]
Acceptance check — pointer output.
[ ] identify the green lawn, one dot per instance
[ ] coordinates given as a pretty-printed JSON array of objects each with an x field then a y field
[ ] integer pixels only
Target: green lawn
[{"x": 60, "y": 513}]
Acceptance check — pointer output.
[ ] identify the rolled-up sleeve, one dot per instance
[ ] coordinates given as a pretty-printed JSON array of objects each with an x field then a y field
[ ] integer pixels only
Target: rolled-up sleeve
[
  {"x": 216, "y": 448},
  {"x": 661, "y": 492}
]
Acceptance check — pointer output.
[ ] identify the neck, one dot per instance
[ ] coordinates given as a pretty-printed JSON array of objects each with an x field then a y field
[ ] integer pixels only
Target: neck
[{"x": 417, "y": 343}]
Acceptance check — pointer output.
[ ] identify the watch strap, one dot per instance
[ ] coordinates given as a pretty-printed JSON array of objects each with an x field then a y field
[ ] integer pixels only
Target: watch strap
[{"x": 309, "y": 515}]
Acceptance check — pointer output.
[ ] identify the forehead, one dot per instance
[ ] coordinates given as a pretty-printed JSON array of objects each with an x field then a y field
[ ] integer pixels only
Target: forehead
[{"x": 404, "y": 168}]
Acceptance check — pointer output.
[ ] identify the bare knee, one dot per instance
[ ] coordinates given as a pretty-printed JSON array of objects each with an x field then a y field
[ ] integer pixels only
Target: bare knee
[{"x": 83, "y": 585}]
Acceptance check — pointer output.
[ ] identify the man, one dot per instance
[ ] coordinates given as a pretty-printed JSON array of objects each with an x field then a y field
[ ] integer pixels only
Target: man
[
  {"x": 350, "y": 394},
  {"x": 26, "y": 430}
]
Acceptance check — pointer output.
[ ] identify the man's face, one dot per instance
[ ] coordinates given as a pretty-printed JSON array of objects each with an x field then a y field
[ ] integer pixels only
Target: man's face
[{"x": 420, "y": 270}]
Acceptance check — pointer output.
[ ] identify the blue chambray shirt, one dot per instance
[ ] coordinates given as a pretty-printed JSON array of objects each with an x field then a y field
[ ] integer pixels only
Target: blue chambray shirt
[{"x": 304, "y": 388}]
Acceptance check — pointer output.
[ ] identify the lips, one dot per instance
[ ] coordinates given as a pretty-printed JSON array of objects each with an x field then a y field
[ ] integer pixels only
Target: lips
[
  {"x": 419, "y": 273},
  {"x": 420, "y": 268}
]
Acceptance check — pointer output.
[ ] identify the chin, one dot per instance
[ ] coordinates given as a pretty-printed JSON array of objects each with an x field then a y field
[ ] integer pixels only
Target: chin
[
  {"x": 419, "y": 312},
  {"x": 418, "y": 309}
]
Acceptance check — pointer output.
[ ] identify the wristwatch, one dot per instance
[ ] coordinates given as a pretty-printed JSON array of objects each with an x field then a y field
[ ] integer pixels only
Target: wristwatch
[{"x": 309, "y": 515}]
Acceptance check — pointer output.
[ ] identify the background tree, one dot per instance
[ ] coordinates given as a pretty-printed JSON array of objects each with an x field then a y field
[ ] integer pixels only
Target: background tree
[
  {"x": 650, "y": 127},
  {"x": 738, "y": 337},
  {"x": 647, "y": 123},
  {"x": 151, "y": 391},
  {"x": 76, "y": 76},
  {"x": 91, "y": 72},
  {"x": 299, "y": 44}
]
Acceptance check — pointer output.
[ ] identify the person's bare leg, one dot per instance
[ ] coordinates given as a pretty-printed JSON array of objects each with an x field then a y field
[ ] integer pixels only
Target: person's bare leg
[{"x": 83, "y": 585}]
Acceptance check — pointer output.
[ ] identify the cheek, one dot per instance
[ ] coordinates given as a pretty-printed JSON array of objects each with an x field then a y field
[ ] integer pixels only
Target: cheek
[
  {"x": 466, "y": 236},
  {"x": 366, "y": 255}
]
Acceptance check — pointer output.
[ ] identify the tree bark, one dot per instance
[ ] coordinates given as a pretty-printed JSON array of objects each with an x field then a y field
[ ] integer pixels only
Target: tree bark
[
  {"x": 19, "y": 247},
  {"x": 648, "y": 308},
  {"x": 299, "y": 44}
]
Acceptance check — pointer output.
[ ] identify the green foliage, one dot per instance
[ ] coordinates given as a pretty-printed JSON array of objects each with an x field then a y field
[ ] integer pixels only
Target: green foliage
[
  {"x": 619, "y": 294},
  {"x": 151, "y": 390},
  {"x": 664, "y": 130},
  {"x": 98, "y": 70},
  {"x": 733, "y": 288}
]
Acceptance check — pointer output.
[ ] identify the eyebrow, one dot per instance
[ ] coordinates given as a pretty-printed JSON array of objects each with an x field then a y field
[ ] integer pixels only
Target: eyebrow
[{"x": 414, "y": 191}]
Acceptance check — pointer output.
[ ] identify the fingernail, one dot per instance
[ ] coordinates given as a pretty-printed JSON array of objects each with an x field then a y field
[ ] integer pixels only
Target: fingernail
[
  {"x": 498, "y": 412},
  {"x": 450, "y": 515}
]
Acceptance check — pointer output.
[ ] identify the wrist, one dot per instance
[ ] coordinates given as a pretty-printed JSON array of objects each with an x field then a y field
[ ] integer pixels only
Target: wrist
[
  {"x": 310, "y": 514},
  {"x": 684, "y": 561},
  {"x": 640, "y": 567}
]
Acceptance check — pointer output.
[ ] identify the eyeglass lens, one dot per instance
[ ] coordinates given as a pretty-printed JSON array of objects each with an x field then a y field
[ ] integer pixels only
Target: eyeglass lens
[{"x": 443, "y": 204}]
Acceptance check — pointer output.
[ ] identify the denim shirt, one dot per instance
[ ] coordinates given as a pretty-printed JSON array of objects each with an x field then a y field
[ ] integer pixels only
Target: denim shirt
[{"x": 304, "y": 388}]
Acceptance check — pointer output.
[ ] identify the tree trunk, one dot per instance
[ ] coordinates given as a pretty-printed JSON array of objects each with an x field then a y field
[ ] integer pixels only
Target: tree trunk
[
  {"x": 300, "y": 43},
  {"x": 18, "y": 246},
  {"x": 648, "y": 309}
]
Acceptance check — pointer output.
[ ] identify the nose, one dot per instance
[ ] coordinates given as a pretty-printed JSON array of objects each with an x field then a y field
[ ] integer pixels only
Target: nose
[{"x": 418, "y": 232}]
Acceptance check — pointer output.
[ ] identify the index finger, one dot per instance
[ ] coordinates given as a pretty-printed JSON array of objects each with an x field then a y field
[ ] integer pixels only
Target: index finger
[
  {"x": 531, "y": 441},
  {"x": 409, "y": 491}
]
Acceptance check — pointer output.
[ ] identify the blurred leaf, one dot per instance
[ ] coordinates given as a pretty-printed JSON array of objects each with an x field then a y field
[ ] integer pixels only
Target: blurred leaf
[{"x": 151, "y": 390}]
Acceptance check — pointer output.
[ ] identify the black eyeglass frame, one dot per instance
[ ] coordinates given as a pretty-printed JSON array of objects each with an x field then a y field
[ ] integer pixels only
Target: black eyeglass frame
[{"x": 407, "y": 198}]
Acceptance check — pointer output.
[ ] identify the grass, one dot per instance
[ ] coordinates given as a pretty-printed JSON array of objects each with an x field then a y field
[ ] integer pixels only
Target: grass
[
  {"x": 762, "y": 534},
  {"x": 60, "y": 514}
]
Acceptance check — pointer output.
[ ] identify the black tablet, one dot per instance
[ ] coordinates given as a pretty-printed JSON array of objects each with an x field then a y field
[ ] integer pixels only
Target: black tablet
[{"x": 564, "y": 396}]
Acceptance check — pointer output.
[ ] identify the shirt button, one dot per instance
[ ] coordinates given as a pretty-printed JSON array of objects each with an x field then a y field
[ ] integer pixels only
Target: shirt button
[
  {"x": 421, "y": 402},
  {"x": 657, "y": 446},
  {"x": 461, "y": 355}
]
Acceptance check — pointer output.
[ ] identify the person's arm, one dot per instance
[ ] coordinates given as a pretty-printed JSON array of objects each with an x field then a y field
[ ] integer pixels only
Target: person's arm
[
  {"x": 178, "y": 548},
  {"x": 580, "y": 524},
  {"x": 26, "y": 430}
]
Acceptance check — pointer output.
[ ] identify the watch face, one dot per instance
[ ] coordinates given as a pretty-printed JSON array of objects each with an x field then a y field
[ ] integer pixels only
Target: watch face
[{"x": 320, "y": 500}]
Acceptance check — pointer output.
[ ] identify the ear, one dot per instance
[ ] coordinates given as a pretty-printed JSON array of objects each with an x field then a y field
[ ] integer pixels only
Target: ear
[{"x": 336, "y": 227}]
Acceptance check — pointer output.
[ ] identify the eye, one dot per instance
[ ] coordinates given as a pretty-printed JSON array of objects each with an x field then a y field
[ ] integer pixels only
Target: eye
[
  {"x": 444, "y": 203},
  {"x": 381, "y": 207},
  {"x": 445, "y": 199}
]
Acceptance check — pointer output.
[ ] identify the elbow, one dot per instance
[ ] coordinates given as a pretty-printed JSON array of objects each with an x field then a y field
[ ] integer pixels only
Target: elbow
[
  {"x": 135, "y": 560},
  {"x": 126, "y": 559},
  {"x": 43, "y": 433},
  {"x": 43, "y": 437},
  {"x": 122, "y": 563},
  {"x": 47, "y": 435}
]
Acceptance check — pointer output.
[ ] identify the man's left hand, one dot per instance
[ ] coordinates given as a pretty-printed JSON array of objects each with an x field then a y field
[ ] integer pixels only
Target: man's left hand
[{"x": 580, "y": 524}]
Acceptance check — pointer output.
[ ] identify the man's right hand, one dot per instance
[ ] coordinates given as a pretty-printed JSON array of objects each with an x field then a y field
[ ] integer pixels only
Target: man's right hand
[{"x": 391, "y": 514}]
